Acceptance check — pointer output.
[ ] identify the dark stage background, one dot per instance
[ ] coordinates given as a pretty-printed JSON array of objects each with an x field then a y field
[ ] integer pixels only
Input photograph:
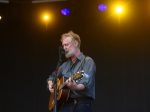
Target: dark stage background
[{"x": 29, "y": 53}]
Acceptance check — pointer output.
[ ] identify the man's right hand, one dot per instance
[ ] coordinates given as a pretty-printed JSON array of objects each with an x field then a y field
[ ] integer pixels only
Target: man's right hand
[{"x": 50, "y": 86}]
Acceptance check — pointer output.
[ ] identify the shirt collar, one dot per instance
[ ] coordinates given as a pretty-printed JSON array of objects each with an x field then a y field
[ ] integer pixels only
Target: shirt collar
[{"x": 80, "y": 57}]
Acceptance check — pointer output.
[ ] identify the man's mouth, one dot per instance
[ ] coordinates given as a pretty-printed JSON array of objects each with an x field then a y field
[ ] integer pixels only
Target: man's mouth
[{"x": 66, "y": 51}]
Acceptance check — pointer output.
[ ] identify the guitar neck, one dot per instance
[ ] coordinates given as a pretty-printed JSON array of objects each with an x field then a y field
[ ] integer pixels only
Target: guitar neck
[
  {"x": 65, "y": 83},
  {"x": 73, "y": 77}
]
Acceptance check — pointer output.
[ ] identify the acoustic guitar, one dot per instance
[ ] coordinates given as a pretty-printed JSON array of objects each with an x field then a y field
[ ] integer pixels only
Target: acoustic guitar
[{"x": 62, "y": 91}]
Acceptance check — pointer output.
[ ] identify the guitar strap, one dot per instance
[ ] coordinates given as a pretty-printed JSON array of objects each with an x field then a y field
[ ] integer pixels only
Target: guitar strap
[
  {"x": 80, "y": 67},
  {"x": 81, "y": 64}
]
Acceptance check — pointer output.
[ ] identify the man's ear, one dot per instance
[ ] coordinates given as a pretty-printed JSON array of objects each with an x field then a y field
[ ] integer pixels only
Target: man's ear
[{"x": 76, "y": 43}]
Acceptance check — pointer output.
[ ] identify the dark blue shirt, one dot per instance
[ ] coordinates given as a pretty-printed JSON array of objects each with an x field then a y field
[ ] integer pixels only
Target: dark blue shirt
[{"x": 85, "y": 64}]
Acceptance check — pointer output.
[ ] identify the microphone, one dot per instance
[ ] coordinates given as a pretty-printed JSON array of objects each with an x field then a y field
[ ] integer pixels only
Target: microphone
[
  {"x": 61, "y": 54},
  {"x": 61, "y": 50}
]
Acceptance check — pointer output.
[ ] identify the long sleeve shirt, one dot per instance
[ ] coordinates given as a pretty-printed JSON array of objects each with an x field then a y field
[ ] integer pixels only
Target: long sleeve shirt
[{"x": 85, "y": 64}]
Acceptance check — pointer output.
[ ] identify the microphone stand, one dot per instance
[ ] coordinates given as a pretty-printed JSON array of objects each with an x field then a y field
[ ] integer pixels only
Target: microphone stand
[{"x": 55, "y": 79}]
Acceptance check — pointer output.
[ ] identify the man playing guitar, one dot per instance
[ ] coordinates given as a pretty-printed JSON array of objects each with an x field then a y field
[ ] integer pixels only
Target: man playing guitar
[{"x": 77, "y": 74}]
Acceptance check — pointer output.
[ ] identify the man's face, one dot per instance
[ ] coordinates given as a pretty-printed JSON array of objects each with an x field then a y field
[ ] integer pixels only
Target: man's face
[{"x": 69, "y": 47}]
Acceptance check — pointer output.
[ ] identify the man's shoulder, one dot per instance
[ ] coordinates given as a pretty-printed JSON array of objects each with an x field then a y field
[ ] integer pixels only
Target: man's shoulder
[{"x": 88, "y": 58}]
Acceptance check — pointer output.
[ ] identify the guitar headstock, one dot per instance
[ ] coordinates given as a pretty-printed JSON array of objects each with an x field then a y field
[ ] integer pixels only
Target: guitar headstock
[{"x": 77, "y": 75}]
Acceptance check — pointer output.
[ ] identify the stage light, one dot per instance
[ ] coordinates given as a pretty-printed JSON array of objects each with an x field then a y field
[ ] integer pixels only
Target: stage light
[
  {"x": 65, "y": 11},
  {"x": 119, "y": 9},
  {"x": 47, "y": 17},
  {"x": 102, "y": 7},
  {"x": 0, "y": 17}
]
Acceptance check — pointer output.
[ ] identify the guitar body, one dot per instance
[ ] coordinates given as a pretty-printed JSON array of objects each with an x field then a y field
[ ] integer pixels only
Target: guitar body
[
  {"x": 62, "y": 92},
  {"x": 62, "y": 95}
]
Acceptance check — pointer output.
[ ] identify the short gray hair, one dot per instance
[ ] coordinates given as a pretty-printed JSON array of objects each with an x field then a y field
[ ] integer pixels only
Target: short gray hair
[{"x": 74, "y": 36}]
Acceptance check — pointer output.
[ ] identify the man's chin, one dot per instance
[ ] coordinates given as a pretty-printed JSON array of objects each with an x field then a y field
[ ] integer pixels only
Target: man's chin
[{"x": 68, "y": 55}]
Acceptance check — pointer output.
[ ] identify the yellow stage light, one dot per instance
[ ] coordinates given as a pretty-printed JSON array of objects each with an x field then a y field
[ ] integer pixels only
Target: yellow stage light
[
  {"x": 119, "y": 9},
  {"x": 0, "y": 17},
  {"x": 46, "y": 17}
]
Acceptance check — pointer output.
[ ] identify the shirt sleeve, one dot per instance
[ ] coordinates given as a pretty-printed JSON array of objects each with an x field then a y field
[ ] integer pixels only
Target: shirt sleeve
[
  {"x": 51, "y": 77},
  {"x": 89, "y": 70},
  {"x": 54, "y": 74}
]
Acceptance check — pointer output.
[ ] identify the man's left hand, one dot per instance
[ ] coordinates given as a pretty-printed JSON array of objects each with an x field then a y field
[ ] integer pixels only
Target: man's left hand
[{"x": 71, "y": 84}]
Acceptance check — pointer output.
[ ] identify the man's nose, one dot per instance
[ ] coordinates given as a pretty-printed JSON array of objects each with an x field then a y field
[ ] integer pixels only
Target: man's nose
[{"x": 65, "y": 47}]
